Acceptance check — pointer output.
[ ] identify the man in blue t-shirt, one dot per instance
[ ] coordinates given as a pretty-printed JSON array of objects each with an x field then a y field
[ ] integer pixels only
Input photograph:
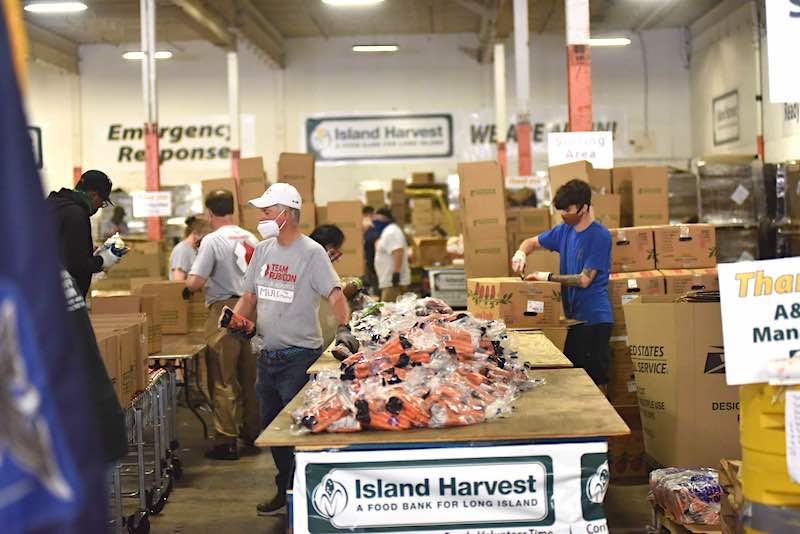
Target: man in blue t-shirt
[{"x": 585, "y": 248}]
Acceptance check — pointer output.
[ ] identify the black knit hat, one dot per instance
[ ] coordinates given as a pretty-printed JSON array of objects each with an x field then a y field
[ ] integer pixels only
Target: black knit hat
[{"x": 96, "y": 181}]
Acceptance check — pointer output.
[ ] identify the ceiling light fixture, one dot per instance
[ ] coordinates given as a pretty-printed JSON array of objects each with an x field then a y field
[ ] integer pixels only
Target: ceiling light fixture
[
  {"x": 376, "y": 48},
  {"x": 351, "y": 3},
  {"x": 610, "y": 41},
  {"x": 160, "y": 54},
  {"x": 49, "y": 8}
]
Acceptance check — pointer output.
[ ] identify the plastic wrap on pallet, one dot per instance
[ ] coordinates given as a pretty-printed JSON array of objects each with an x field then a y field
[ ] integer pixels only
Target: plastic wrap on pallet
[
  {"x": 682, "y": 197},
  {"x": 687, "y": 496},
  {"x": 736, "y": 243}
]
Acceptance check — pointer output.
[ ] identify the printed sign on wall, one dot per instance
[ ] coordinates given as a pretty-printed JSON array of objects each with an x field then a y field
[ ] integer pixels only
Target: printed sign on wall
[
  {"x": 555, "y": 487},
  {"x": 379, "y": 137},
  {"x": 594, "y": 147},
  {"x": 791, "y": 119},
  {"x": 152, "y": 204},
  {"x": 725, "y": 109},
  {"x": 783, "y": 42}
]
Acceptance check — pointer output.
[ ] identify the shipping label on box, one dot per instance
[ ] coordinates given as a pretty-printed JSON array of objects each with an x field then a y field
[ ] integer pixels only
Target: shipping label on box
[
  {"x": 685, "y": 246},
  {"x": 486, "y": 258},
  {"x": 681, "y": 281},
  {"x": 607, "y": 209},
  {"x": 690, "y": 416},
  {"x": 650, "y": 195},
  {"x": 632, "y": 250},
  {"x": 625, "y": 287},
  {"x": 519, "y": 304}
]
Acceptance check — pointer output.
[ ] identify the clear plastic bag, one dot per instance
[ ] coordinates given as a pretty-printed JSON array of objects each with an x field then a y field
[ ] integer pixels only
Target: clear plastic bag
[{"x": 687, "y": 496}]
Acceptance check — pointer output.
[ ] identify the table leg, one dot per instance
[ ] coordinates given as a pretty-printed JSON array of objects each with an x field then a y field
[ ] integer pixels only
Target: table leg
[{"x": 186, "y": 392}]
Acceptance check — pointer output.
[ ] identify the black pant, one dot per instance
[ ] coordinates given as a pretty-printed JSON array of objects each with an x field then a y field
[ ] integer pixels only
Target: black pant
[{"x": 587, "y": 348}]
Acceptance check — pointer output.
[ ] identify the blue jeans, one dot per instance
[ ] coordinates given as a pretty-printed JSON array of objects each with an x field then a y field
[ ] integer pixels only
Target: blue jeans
[{"x": 281, "y": 376}]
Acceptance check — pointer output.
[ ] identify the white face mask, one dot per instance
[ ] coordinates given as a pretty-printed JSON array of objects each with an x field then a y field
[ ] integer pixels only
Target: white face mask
[{"x": 269, "y": 229}]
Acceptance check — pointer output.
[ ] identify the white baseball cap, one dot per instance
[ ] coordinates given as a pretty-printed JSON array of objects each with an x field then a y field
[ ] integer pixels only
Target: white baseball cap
[{"x": 279, "y": 193}]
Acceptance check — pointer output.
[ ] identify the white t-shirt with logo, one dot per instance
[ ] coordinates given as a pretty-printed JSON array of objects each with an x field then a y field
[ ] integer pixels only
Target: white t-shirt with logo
[
  {"x": 222, "y": 260},
  {"x": 288, "y": 283},
  {"x": 391, "y": 239}
]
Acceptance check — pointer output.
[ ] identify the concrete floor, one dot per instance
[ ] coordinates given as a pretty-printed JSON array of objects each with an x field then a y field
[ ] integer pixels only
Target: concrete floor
[{"x": 215, "y": 497}]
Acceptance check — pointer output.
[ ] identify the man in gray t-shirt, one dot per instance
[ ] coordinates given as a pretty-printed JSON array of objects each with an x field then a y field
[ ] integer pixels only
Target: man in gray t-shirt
[
  {"x": 219, "y": 267},
  {"x": 286, "y": 279}
]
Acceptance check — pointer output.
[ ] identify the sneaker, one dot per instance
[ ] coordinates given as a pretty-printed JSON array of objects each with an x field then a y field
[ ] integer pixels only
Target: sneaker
[
  {"x": 225, "y": 451},
  {"x": 271, "y": 507}
]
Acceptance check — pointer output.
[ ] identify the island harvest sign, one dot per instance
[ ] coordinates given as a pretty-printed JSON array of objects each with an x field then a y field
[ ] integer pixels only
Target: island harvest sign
[
  {"x": 379, "y": 137},
  {"x": 553, "y": 488}
]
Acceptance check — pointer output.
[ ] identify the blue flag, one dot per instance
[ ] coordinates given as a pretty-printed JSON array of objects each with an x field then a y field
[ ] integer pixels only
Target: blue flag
[{"x": 51, "y": 467}]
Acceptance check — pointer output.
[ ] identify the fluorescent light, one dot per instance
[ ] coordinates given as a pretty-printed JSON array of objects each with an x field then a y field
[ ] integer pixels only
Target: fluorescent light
[
  {"x": 55, "y": 7},
  {"x": 160, "y": 54},
  {"x": 610, "y": 41},
  {"x": 376, "y": 48},
  {"x": 351, "y": 3}
]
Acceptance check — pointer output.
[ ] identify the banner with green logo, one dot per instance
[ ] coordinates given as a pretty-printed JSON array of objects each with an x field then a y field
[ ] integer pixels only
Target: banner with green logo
[{"x": 531, "y": 489}]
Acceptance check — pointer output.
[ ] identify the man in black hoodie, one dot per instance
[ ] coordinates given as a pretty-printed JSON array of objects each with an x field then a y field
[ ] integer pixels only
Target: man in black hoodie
[{"x": 71, "y": 210}]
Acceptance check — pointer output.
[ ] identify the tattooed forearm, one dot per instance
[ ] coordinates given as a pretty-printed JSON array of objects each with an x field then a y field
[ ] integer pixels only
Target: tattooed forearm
[{"x": 575, "y": 280}]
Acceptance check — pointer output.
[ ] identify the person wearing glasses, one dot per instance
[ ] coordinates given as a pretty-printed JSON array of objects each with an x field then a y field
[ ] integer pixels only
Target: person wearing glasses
[{"x": 70, "y": 211}]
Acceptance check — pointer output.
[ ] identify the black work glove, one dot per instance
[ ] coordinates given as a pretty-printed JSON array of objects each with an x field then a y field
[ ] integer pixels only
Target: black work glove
[
  {"x": 396, "y": 279},
  {"x": 241, "y": 333},
  {"x": 186, "y": 293},
  {"x": 344, "y": 337}
]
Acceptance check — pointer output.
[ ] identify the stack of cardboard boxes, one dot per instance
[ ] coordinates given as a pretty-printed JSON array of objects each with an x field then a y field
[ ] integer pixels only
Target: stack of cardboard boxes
[
  {"x": 376, "y": 198},
  {"x": 523, "y": 223},
  {"x": 144, "y": 262},
  {"x": 252, "y": 184},
  {"x": 298, "y": 170},
  {"x": 606, "y": 204},
  {"x": 123, "y": 344},
  {"x": 397, "y": 201},
  {"x": 483, "y": 217},
  {"x": 648, "y": 261},
  {"x": 347, "y": 216},
  {"x": 424, "y": 216}
]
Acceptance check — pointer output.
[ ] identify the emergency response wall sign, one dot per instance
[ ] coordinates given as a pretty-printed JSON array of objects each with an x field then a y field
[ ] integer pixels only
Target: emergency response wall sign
[
  {"x": 760, "y": 303},
  {"x": 553, "y": 488}
]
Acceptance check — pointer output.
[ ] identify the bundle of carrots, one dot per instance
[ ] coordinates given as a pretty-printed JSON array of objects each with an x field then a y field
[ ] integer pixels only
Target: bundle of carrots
[
  {"x": 687, "y": 496},
  {"x": 443, "y": 370}
]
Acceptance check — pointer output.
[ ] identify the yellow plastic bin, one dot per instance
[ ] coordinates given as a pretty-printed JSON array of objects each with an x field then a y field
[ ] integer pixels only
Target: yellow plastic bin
[{"x": 765, "y": 478}]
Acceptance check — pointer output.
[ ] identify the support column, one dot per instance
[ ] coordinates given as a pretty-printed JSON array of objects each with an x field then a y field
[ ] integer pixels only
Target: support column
[
  {"x": 233, "y": 111},
  {"x": 500, "y": 112},
  {"x": 523, "y": 80},
  {"x": 579, "y": 66},
  {"x": 151, "y": 150}
]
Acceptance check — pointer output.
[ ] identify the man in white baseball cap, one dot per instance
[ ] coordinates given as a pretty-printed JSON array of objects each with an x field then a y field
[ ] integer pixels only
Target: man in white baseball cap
[{"x": 286, "y": 278}]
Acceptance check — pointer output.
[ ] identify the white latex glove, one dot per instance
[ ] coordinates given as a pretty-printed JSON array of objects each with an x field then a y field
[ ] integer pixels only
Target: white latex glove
[
  {"x": 518, "y": 261},
  {"x": 109, "y": 258},
  {"x": 539, "y": 276}
]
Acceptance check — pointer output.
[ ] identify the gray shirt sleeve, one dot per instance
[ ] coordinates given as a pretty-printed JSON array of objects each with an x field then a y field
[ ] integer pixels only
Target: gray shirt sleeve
[
  {"x": 252, "y": 271},
  {"x": 203, "y": 265},
  {"x": 323, "y": 277},
  {"x": 181, "y": 258}
]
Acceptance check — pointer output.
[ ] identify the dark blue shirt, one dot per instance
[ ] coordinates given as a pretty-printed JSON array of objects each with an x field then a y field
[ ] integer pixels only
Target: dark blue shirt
[{"x": 589, "y": 249}]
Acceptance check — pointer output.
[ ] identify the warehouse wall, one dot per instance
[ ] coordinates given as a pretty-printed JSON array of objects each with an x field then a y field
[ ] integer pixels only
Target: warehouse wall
[{"x": 323, "y": 76}]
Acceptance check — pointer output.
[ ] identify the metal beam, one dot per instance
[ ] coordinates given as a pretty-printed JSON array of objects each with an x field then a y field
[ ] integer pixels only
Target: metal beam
[
  {"x": 488, "y": 32},
  {"x": 474, "y": 6},
  {"x": 49, "y": 47},
  {"x": 214, "y": 27},
  {"x": 271, "y": 31},
  {"x": 251, "y": 31}
]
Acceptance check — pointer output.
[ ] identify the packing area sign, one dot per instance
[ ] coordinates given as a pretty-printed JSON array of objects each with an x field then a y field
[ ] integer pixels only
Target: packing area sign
[
  {"x": 188, "y": 142},
  {"x": 553, "y": 488},
  {"x": 379, "y": 137},
  {"x": 760, "y": 316}
]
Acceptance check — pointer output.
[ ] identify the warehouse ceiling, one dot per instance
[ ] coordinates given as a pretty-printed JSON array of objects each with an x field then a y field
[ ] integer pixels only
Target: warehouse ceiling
[{"x": 266, "y": 23}]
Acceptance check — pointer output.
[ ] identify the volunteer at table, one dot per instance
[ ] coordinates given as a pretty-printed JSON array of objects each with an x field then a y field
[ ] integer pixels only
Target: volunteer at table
[
  {"x": 584, "y": 246},
  {"x": 117, "y": 224},
  {"x": 287, "y": 276},
  {"x": 185, "y": 252},
  {"x": 391, "y": 257},
  {"x": 220, "y": 266},
  {"x": 71, "y": 210}
]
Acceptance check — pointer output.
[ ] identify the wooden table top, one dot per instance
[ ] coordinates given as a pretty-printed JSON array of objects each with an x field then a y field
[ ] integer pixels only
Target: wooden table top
[
  {"x": 568, "y": 405},
  {"x": 180, "y": 346}
]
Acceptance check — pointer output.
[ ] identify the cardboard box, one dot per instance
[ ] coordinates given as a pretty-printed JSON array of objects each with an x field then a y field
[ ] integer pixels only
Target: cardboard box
[
  {"x": 251, "y": 168},
  {"x": 108, "y": 345},
  {"x": 681, "y": 281},
  {"x": 486, "y": 227},
  {"x": 228, "y": 184},
  {"x": 308, "y": 218},
  {"x": 690, "y": 416},
  {"x": 376, "y": 198},
  {"x": 346, "y": 215},
  {"x": 621, "y": 381},
  {"x": 622, "y": 185},
  {"x": 519, "y": 304},
  {"x": 650, "y": 196},
  {"x": 686, "y": 246},
  {"x": 321, "y": 214},
  {"x": 624, "y": 287},
  {"x": 457, "y": 226},
  {"x": 626, "y": 453},
  {"x": 250, "y": 188},
  {"x": 482, "y": 191},
  {"x": 543, "y": 260},
  {"x": 134, "y": 334},
  {"x": 422, "y": 178},
  {"x": 151, "y": 307},
  {"x": 133, "y": 265},
  {"x": 561, "y": 174},
  {"x": 600, "y": 180},
  {"x": 632, "y": 250},
  {"x": 422, "y": 205},
  {"x": 528, "y": 221},
  {"x": 607, "y": 209},
  {"x": 298, "y": 170},
  {"x": 398, "y": 186},
  {"x": 424, "y": 217},
  {"x": 197, "y": 313},
  {"x": 352, "y": 262},
  {"x": 558, "y": 334},
  {"x": 133, "y": 304},
  {"x": 430, "y": 251},
  {"x": 486, "y": 258},
  {"x": 145, "y": 247},
  {"x": 249, "y": 218},
  {"x": 174, "y": 317}
]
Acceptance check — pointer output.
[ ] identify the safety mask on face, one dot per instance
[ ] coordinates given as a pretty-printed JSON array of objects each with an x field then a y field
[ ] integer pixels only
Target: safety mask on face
[
  {"x": 571, "y": 218},
  {"x": 269, "y": 229}
]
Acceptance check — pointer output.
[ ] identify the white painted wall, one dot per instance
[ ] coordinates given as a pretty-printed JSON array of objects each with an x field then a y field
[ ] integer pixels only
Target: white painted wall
[{"x": 429, "y": 74}]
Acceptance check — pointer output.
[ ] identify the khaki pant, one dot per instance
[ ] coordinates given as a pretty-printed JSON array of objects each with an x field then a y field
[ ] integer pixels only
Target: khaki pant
[
  {"x": 390, "y": 294},
  {"x": 231, "y": 379}
]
